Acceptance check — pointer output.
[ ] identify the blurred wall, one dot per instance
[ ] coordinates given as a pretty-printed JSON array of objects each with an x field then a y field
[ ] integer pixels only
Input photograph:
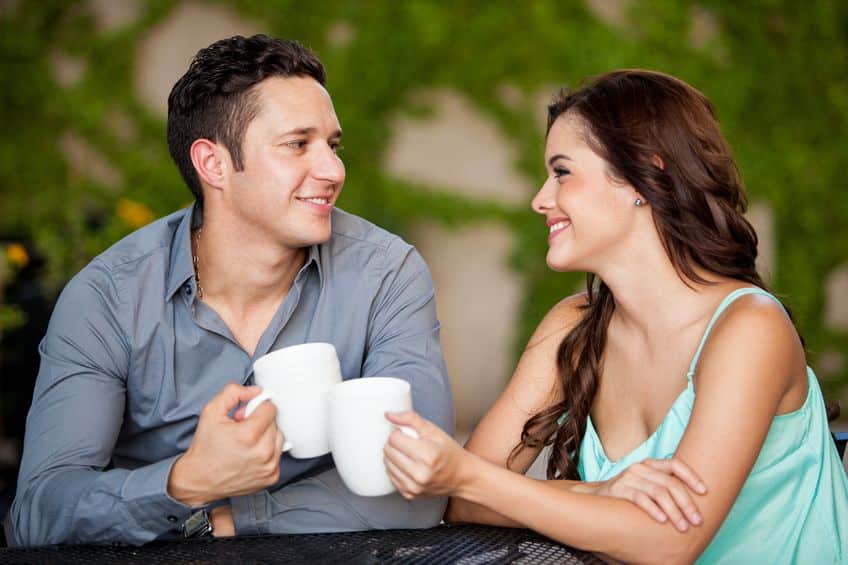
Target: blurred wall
[{"x": 443, "y": 109}]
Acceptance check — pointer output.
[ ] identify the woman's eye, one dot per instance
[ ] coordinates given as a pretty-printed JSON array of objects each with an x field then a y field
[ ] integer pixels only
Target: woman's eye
[{"x": 560, "y": 172}]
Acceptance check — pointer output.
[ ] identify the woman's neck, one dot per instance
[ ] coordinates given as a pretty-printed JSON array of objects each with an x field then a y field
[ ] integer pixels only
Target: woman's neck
[{"x": 653, "y": 302}]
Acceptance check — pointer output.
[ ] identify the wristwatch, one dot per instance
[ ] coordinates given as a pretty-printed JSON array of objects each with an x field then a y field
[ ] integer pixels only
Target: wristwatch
[{"x": 197, "y": 525}]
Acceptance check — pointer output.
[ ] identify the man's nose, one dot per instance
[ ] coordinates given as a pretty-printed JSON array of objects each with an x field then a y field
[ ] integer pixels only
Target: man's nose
[{"x": 328, "y": 166}]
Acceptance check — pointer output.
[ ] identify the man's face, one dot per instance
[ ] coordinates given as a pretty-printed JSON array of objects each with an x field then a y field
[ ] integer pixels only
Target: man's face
[{"x": 291, "y": 176}]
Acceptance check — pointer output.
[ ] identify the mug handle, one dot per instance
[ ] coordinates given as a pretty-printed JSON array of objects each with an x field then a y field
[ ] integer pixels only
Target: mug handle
[
  {"x": 254, "y": 403},
  {"x": 409, "y": 431}
]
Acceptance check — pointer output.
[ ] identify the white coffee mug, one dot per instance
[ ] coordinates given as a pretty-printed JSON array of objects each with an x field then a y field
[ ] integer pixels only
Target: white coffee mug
[
  {"x": 296, "y": 379},
  {"x": 359, "y": 430}
]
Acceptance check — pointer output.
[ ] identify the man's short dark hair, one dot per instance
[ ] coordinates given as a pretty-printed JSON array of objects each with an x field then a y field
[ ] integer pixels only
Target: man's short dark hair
[{"x": 215, "y": 98}]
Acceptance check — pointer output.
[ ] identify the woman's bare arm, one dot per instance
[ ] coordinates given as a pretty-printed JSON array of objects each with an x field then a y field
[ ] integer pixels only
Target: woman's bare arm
[
  {"x": 749, "y": 364},
  {"x": 534, "y": 386}
]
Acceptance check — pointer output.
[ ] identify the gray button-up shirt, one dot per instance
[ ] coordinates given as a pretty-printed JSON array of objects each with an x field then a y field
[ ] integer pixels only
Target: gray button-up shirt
[{"x": 131, "y": 356}]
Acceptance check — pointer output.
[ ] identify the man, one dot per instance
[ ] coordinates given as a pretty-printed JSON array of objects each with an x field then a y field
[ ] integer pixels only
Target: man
[{"x": 130, "y": 433}]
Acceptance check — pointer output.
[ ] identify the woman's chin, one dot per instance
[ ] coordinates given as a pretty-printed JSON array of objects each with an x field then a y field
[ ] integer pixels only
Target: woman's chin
[{"x": 560, "y": 264}]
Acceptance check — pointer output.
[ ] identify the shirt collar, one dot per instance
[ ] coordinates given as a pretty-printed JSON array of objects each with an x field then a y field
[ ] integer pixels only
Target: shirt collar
[{"x": 181, "y": 266}]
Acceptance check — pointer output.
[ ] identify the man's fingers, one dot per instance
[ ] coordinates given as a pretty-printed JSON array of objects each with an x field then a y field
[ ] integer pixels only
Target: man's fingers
[
  {"x": 230, "y": 396},
  {"x": 264, "y": 415}
]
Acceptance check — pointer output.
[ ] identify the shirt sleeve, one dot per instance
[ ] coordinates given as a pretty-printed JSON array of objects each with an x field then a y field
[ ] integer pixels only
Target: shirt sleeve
[
  {"x": 403, "y": 336},
  {"x": 403, "y": 341},
  {"x": 64, "y": 495}
]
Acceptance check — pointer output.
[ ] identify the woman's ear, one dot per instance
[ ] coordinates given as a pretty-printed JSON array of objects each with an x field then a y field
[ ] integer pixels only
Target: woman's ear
[
  {"x": 658, "y": 162},
  {"x": 208, "y": 160}
]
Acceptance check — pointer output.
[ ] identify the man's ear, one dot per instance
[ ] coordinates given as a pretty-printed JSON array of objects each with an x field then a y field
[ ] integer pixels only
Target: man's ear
[{"x": 209, "y": 161}]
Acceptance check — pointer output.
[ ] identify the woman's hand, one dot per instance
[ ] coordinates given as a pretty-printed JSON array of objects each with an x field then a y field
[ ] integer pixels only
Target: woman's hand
[
  {"x": 661, "y": 487},
  {"x": 433, "y": 464}
]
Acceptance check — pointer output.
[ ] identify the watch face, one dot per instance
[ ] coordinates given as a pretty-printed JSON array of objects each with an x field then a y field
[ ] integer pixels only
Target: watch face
[{"x": 197, "y": 525}]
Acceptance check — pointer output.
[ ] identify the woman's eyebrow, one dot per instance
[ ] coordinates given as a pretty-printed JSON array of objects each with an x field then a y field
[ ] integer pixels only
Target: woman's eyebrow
[{"x": 558, "y": 156}]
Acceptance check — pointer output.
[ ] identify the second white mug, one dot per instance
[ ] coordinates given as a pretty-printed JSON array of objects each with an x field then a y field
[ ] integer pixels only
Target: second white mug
[{"x": 359, "y": 430}]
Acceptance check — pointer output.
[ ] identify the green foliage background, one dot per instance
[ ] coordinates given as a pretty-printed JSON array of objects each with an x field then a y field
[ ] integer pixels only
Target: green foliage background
[{"x": 776, "y": 71}]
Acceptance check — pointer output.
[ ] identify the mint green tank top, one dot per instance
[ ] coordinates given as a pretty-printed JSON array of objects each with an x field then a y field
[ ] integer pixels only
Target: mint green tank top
[{"x": 793, "y": 507}]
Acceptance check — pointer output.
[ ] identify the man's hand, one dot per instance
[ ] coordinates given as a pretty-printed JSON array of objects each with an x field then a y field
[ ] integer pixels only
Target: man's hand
[{"x": 228, "y": 457}]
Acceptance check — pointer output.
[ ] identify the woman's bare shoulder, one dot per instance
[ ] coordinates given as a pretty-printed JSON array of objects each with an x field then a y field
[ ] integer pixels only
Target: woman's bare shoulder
[{"x": 560, "y": 320}]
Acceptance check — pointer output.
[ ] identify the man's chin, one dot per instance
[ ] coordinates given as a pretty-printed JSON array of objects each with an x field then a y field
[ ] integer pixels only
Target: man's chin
[{"x": 315, "y": 238}]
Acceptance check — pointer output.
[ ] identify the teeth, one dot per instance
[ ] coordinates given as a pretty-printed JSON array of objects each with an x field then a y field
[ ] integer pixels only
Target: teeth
[
  {"x": 559, "y": 226},
  {"x": 317, "y": 200}
]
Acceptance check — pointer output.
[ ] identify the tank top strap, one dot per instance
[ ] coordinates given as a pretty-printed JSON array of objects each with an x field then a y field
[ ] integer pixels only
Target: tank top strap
[{"x": 728, "y": 300}]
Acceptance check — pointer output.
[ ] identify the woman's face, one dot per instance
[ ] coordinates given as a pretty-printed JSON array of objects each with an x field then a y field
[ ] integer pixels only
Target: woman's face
[{"x": 589, "y": 215}]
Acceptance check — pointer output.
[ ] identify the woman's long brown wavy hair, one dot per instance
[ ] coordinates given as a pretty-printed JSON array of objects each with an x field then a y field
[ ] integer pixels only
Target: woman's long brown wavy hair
[{"x": 631, "y": 118}]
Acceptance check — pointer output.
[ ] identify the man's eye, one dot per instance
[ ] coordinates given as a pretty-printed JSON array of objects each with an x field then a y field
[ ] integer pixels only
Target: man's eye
[
  {"x": 298, "y": 144},
  {"x": 337, "y": 147}
]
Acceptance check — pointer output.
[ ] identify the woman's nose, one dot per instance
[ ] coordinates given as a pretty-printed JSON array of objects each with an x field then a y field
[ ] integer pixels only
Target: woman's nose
[{"x": 544, "y": 199}]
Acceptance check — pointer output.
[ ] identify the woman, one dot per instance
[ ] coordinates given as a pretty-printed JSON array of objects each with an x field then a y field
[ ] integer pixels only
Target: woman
[{"x": 675, "y": 393}]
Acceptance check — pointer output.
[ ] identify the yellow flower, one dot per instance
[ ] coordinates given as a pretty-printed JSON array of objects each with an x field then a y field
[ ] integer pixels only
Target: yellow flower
[
  {"x": 134, "y": 214},
  {"x": 17, "y": 255}
]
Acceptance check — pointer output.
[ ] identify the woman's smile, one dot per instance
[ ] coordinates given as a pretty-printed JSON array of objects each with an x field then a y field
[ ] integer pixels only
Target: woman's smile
[{"x": 557, "y": 226}]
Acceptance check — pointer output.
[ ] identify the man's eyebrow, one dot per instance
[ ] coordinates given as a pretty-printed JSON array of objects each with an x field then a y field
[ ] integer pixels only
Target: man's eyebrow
[
  {"x": 558, "y": 156},
  {"x": 301, "y": 131},
  {"x": 310, "y": 131}
]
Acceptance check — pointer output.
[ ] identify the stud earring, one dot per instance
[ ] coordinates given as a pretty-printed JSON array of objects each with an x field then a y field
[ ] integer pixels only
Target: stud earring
[{"x": 638, "y": 202}]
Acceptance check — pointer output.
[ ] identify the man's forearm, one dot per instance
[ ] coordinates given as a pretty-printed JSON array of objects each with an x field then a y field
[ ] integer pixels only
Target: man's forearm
[{"x": 88, "y": 506}]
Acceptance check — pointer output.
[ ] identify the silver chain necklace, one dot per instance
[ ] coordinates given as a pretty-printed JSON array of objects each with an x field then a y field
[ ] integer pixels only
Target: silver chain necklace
[{"x": 195, "y": 262}]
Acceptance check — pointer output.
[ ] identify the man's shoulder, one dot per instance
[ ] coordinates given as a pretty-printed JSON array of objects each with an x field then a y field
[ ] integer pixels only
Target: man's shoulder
[
  {"x": 150, "y": 240},
  {"x": 132, "y": 254},
  {"x": 351, "y": 233}
]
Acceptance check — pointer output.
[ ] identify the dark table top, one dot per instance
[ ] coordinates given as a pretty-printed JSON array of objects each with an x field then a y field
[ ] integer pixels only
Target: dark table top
[{"x": 461, "y": 544}]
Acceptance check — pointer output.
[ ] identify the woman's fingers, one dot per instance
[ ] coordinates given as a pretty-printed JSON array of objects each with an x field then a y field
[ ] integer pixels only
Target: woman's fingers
[
  {"x": 647, "y": 504},
  {"x": 399, "y": 458},
  {"x": 423, "y": 451},
  {"x": 672, "y": 495},
  {"x": 680, "y": 470},
  {"x": 683, "y": 500},
  {"x": 403, "y": 482},
  {"x": 411, "y": 419},
  {"x": 661, "y": 495},
  {"x": 679, "y": 489}
]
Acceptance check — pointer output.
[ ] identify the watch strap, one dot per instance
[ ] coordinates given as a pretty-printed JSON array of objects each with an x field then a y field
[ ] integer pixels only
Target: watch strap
[{"x": 197, "y": 525}]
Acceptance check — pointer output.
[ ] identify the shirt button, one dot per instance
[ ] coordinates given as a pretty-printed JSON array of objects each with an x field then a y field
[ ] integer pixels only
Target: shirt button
[{"x": 172, "y": 519}]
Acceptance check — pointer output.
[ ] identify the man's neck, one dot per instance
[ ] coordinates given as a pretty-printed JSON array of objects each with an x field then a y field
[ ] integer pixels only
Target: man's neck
[{"x": 240, "y": 273}]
